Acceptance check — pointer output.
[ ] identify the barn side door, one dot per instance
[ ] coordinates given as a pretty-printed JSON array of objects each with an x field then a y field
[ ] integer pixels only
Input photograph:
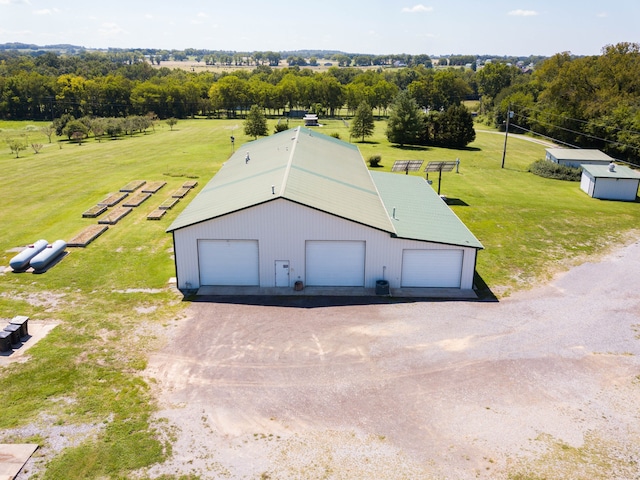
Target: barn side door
[{"x": 282, "y": 273}]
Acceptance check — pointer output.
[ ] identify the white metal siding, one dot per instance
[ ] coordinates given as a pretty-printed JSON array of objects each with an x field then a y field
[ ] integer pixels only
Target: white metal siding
[
  {"x": 228, "y": 262},
  {"x": 615, "y": 188},
  {"x": 432, "y": 268},
  {"x": 586, "y": 183},
  {"x": 335, "y": 263},
  {"x": 283, "y": 227}
]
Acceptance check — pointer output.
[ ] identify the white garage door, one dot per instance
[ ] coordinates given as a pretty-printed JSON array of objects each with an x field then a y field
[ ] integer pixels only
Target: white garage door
[
  {"x": 228, "y": 262},
  {"x": 431, "y": 268},
  {"x": 335, "y": 263}
]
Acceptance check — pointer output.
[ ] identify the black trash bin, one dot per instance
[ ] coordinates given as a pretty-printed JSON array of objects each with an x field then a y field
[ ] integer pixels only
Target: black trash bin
[
  {"x": 382, "y": 287},
  {"x": 23, "y": 321},
  {"x": 14, "y": 330},
  {"x": 5, "y": 341}
]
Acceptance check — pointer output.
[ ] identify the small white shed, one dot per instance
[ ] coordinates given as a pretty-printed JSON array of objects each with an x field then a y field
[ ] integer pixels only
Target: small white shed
[
  {"x": 311, "y": 120},
  {"x": 576, "y": 157},
  {"x": 611, "y": 182}
]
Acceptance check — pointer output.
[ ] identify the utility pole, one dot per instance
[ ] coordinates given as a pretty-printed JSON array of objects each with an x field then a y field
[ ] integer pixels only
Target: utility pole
[{"x": 506, "y": 134}]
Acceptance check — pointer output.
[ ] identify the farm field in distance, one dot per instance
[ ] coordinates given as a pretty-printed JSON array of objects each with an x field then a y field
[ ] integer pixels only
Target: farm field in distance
[{"x": 105, "y": 295}]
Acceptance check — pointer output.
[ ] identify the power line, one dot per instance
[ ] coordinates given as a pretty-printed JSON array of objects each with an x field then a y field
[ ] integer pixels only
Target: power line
[
  {"x": 587, "y": 122},
  {"x": 554, "y": 140},
  {"x": 576, "y": 132}
]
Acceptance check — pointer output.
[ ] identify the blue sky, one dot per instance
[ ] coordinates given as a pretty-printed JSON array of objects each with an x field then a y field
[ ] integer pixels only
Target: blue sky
[{"x": 434, "y": 27}]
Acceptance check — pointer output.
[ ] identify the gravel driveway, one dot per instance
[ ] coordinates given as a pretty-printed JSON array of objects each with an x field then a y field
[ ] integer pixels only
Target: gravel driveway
[{"x": 455, "y": 390}]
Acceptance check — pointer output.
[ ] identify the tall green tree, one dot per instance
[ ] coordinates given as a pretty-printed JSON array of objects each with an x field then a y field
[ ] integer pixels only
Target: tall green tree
[
  {"x": 457, "y": 130},
  {"x": 405, "y": 120},
  {"x": 256, "y": 122},
  {"x": 75, "y": 129},
  {"x": 494, "y": 77},
  {"x": 362, "y": 124}
]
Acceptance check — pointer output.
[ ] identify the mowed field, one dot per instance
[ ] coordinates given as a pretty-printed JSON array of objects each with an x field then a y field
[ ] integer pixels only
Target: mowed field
[
  {"x": 191, "y": 65},
  {"x": 104, "y": 296},
  {"x": 529, "y": 226}
]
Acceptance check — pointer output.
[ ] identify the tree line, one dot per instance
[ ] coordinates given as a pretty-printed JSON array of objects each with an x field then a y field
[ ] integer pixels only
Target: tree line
[
  {"x": 588, "y": 102},
  {"x": 118, "y": 84}
]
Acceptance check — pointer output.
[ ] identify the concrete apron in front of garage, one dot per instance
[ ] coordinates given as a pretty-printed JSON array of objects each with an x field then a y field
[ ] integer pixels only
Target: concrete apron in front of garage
[{"x": 446, "y": 293}]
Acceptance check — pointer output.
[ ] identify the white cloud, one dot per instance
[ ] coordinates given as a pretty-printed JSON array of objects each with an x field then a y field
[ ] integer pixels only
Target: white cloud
[
  {"x": 110, "y": 29},
  {"x": 602, "y": 15},
  {"x": 523, "y": 13},
  {"x": 46, "y": 11},
  {"x": 417, "y": 9},
  {"x": 15, "y": 2},
  {"x": 201, "y": 16}
]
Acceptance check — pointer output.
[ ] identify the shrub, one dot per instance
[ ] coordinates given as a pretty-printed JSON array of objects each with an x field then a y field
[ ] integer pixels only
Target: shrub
[
  {"x": 374, "y": 161},
  {"x": 547, "y": 169},
  {"x": 281, "y": 127}
]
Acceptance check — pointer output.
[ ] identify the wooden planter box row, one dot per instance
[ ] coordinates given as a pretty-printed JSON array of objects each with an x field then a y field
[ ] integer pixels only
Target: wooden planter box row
[
  {"x": 115, "y": 215},
  {"x": 88, "y": 235},
  {"x": 133, "y": 186},
  {"x": 171, "y": 202}
]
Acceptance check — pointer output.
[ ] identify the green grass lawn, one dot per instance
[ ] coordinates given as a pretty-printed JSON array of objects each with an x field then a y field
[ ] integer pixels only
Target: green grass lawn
[{"x": 86, "y": 372}]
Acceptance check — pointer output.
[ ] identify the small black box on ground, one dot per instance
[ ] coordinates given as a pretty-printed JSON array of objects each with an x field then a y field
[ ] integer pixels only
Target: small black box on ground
[
  {"x": 5, "y": 341},
  {"x": 23, "y": 321},
  {"x": 14, "y": 330}
]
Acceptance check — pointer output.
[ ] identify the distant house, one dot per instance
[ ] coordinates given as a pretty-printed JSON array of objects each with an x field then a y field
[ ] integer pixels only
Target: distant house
[
  {"x": 311, "y": 120},
  {"x": 306, "y": 211},
  {"x": 610, "y": 182},
  {"x": 576, "y": 157}
]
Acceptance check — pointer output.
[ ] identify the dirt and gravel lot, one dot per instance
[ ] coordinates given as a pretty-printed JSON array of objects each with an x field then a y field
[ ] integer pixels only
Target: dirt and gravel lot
[{"x": 455, "y": 390}]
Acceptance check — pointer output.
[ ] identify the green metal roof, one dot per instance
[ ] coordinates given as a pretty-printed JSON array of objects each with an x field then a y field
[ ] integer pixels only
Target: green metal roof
[
  {"x": 329, "y": 175},
  {"x": 418, "y": 212},
  {"x": 579, "y": 154},
  {"x": 602, "y": 171}
]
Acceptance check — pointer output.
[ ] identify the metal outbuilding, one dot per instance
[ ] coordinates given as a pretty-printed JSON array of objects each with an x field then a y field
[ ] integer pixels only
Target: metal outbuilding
[
  {"x": 571, "y": 157},
  {"x": 611, "y": 182},
  {"x": 306, "y": 211}
]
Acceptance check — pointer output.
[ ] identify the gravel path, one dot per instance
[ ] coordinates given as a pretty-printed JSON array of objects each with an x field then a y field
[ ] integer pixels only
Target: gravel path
[{"x": 456, "y": 390}]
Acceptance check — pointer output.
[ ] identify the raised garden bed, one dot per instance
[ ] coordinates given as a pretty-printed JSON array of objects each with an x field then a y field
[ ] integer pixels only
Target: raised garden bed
[
  {"x": 157, "y": 214},
  {"x": 136, "y": 200},
  {"x": 190, "y": 184},
  {"x": 113, "y": 199},
  {"x": 94, "y": 211},
  {"x": 180, "y": 193},
  {"x": 115, "y": 215},
  {"x": 86, "y": 236},
  {"x": 153, "y": 187},
  {"x": 133, "y": 185},
  {"x": 169, "y": 203}
]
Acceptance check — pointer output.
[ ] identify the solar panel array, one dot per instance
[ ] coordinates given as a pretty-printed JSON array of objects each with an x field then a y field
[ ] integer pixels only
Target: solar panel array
[
  {"x": 440, "y": 166},
  {"x": 407, "y": 165}
]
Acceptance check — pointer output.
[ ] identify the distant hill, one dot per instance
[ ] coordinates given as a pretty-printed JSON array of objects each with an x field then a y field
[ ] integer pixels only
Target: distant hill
[
  {"x": 63, "y": 47},
  {"x": 451, "y": 60},
  {"x": 76, "y": 48}
]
